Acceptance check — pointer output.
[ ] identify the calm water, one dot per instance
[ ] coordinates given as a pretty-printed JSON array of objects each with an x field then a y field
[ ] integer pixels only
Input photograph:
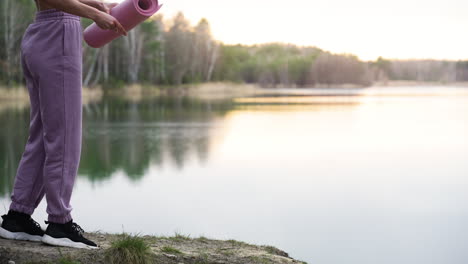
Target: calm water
[{"x": 365, "y": 176}]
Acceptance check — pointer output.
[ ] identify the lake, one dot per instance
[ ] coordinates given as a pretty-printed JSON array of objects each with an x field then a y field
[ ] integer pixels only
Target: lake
[{"x": 365, "y": 176}]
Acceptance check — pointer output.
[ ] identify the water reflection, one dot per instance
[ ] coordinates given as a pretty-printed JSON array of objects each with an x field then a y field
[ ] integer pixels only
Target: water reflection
[
  {"x": 13, "y": 136},
  {"x": 127, "y": 135},
  {"x": 120, "y": 134}
]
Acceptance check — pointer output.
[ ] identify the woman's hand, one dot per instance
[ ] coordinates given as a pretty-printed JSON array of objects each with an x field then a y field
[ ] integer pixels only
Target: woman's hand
[
  {"x": 104, "y": 7},
  {"x": 106, "y": 21}
]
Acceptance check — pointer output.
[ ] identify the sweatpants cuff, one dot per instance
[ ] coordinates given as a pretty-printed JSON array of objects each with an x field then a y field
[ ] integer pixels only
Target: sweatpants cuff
[
  {"x": 21, "y": 208},
  {"x": 59, "y": 219}
]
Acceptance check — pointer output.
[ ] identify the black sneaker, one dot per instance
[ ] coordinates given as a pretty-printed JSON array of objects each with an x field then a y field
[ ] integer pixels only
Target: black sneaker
[
  {"x": 69, "y": 234},
  {"x": 20, "y": 226}
]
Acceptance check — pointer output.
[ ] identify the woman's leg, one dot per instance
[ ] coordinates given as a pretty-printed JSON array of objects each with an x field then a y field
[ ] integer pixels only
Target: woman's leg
[
  {"x": 28, "y": 189},
  {"x": 53, "y": 54},
  {"x": 62, "y": 116},
  {"x": 54, "y": 59},
  {"x": 60, "y": 96}
]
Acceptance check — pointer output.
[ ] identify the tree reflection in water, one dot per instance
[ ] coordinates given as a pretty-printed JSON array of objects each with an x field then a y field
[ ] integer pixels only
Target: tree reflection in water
[{"x": 119, "y": 134}]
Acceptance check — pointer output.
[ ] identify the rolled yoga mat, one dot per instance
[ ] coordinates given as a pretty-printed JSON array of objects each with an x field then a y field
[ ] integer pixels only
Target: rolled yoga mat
[{"x": 129, "y": 13}]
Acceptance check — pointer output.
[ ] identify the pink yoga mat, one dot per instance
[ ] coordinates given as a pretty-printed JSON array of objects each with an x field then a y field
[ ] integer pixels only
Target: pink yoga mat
[{"x": 129, "y": 13}]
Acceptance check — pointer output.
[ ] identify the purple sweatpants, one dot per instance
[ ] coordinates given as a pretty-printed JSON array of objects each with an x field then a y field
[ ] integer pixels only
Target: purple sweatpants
[{"x": 51, "y": 57}]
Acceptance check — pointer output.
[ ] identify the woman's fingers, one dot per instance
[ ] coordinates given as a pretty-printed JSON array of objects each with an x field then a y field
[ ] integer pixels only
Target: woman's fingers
[
  {"x": 120, "y": 28},
  {"x": 112, "y": 24},
  {"x": 103, "y": 7}
]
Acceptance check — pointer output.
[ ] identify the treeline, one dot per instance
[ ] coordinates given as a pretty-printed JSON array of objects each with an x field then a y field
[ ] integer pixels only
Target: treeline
[
  {"x": 423, "y": 70},
  {"x": 15, "y": 15},
  {"x": 174, "y": 52}
]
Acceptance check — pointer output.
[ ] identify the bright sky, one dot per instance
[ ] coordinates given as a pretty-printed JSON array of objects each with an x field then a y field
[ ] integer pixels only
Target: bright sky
[{"x": 367, "y": 28}]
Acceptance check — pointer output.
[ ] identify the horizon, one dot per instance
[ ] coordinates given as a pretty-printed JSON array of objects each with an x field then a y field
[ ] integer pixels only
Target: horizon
[{"x": 431, "y": 29}]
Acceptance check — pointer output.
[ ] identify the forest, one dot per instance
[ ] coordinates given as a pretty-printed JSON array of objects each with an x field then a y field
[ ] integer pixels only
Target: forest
[{"x": 172, "y": 52}]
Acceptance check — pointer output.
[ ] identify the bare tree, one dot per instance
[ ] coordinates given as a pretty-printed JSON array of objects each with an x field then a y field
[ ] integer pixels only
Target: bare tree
[
  {"x": 15, "y": 15},
  {"x": 134, "y": 46}
]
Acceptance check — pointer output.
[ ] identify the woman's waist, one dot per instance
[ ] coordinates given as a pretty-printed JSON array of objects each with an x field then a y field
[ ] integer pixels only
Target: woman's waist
[{"x": 53, "y": 14}]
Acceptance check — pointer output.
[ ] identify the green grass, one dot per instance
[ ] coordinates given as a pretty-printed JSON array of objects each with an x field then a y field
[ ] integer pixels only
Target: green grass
[
  {"x": 275, "y": 251},
  {"x": 129, "y": 249},
  {"x": 226, "y": 252},
  {"x": 203, "y": 239},
  {"x": 179, "y": 237},
  {"x": 271, "y": 250},
  {"x": 237, "y": 243},
  {"x": 170, "y": 250}
]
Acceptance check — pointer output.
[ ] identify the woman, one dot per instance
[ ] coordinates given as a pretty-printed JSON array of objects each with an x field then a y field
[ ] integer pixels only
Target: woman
[{"x": 51, "y": 58}]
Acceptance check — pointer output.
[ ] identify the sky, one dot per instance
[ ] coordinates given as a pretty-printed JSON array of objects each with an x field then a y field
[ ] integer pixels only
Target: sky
[{"x": 397, "y": 29}]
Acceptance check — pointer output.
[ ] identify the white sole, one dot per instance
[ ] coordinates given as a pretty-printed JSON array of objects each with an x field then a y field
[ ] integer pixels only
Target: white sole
[
  {"x": 65, "y": 242},
  {"x": 19, "y": 235}
]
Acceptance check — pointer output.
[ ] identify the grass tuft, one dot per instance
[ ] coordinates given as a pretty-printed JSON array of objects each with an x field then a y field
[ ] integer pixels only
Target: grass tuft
[
  {"x": 170, "y": 250},
  {"x": 203, "y": 239},
  {"x": 275, "y": 251},
  {"x": 129, "y": 249},
  {"x": 180, "y": 237},
  {"x": 237, "y": 243}
]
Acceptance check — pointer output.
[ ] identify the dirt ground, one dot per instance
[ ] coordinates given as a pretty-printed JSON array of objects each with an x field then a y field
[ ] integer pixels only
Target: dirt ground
[{"x": 185, "y": 251}]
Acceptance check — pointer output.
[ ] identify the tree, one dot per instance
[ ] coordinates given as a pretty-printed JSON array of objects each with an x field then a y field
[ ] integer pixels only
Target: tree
[
  {"x": 178, "y": 47},
  {"x": 15, "y": 15}
]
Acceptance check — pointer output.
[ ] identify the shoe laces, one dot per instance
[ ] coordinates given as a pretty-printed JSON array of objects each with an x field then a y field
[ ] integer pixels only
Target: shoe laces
[
  {"x": 75, "y": 227},
  {"x": 34, "y": 223}
]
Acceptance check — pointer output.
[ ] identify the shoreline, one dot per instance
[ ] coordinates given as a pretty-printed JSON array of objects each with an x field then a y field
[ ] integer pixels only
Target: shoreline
[
  {"x": 18, "y": 96},
  {"x": 178, "y": 249}
]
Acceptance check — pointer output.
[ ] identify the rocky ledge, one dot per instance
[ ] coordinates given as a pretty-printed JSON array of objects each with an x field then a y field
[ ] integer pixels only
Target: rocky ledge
[{"x": 124, "y": 248}]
